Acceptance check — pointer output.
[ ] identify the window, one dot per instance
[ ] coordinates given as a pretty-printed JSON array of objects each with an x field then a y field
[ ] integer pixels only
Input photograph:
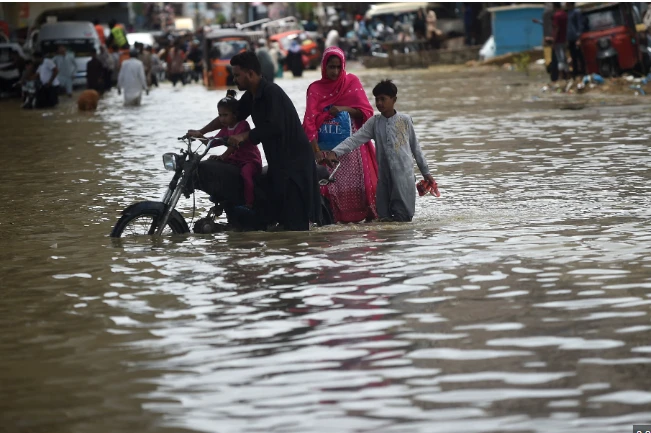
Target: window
[
  {"x": 604, "y": 19},
  {"x": 79, "y": 47},
  {"x": 228, "y": 49}
]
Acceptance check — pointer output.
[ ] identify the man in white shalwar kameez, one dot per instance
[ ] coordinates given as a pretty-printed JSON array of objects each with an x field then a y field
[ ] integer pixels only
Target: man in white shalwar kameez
[
  {"x": 67, "y": 67},
  {"x": 132, "y": 79}
]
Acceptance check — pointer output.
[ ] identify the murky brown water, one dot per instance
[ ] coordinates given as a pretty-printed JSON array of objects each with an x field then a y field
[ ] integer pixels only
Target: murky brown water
[{"x": 517, "y": 302}]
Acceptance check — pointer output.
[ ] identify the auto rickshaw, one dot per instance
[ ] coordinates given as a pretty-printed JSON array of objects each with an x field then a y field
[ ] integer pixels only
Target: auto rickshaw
[
  {"x": 614, "y": 39},
  {"x": 219, "y": 47},
  {"x": 311, "y": 54}
]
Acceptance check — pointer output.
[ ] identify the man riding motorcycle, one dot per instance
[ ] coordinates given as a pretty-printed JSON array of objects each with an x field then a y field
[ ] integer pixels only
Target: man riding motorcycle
[{"x": 291, "y": 184}]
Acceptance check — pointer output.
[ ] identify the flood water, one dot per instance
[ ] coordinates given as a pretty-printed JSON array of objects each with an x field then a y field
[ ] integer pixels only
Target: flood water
[{"x": 519, "y": 301}]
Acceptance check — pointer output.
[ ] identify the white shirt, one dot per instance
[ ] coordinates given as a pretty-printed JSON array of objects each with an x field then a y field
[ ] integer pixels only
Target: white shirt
[
  {"x": 332, "y": 40},
  {"x": 45, "y": 71},
  {"x": 132, "y": 79}
]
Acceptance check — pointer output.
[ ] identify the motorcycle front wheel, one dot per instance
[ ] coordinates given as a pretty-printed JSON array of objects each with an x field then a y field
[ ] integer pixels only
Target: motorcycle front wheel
[{"x": 140, "y": 223}]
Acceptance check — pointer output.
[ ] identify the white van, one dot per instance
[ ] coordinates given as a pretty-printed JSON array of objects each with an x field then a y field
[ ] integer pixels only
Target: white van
[{"x": 79, "y": 37}]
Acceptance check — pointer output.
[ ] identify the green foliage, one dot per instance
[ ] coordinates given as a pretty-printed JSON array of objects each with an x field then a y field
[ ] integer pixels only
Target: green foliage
[
  {"x": 522, "y": 62},
  {"x": 221, "y": 19}
]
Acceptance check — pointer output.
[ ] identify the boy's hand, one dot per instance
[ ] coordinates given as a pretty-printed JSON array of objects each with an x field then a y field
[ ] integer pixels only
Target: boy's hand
[
  {"x": 432, "y": 182},
  {"x": 329, "y": 158}
]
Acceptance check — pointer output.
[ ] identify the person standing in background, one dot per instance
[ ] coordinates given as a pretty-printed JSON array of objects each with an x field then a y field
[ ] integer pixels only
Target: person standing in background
[
  {"x": 108, "y": 64},
  {"x": 574, "y": 31},
  {"x": 95, "y": 74},
  {"x": 100, "y": 31},
  {"x": 420, "y": 25},
  {"x": 332, "y": 39},
  {"x": 132, "y": 79},
  {"x": 117, "y": 36},
  {"x": 67, "y": 67},
  {"x": 156, "y": 65},
  {"x": 175, "y": 61},
  {"x": 294, "y": 59},
  {"x": 274, "y": 52},
  {"x": 548, "y": 37},
  {"x": 559, "y": 25},
  {"x": 48, "y": 93},
  {"x": 145, "y": 57},
  {"x": 266, "y": 62}
]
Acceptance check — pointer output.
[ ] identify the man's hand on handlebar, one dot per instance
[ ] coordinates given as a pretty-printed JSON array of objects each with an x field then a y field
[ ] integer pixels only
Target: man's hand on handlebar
[{"x": 237, "y": 139}]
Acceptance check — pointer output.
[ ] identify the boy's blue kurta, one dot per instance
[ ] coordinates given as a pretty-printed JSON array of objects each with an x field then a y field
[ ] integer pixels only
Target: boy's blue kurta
[{"x": 395, "y": 143}]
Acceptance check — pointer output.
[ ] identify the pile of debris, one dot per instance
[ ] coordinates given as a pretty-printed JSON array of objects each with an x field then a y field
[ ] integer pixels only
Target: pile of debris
[{"x": 595, "y": 83}]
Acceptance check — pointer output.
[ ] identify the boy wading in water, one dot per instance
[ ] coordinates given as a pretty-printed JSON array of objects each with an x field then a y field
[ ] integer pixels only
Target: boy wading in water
[{"x": 396, "y": 142}]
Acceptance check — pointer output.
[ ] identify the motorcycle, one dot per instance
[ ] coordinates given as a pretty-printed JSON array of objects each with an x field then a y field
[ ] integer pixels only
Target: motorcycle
[{"x": 161, "y": 217}]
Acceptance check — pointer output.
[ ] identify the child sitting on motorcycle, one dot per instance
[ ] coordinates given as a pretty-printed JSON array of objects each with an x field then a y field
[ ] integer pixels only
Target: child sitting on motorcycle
[{"x": 246, "y": 156}]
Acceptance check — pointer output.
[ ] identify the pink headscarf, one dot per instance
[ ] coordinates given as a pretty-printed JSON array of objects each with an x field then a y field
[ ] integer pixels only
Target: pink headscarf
[{"x": 346, "y": 91}]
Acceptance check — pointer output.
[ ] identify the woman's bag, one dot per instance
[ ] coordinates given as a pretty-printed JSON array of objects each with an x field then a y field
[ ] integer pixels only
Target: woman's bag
[{"x": 335, "y": 130}]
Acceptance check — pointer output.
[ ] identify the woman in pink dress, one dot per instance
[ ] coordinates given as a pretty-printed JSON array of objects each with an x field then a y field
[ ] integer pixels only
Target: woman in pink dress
[{"x": 352, "y": 196}]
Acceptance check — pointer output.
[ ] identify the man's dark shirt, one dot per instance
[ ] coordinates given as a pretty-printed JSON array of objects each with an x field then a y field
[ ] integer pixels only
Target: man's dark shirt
[
  {"x": 94, "y": 74},
  {"x": 560, "y": 26},
  {"x": 286, "y": 147}
]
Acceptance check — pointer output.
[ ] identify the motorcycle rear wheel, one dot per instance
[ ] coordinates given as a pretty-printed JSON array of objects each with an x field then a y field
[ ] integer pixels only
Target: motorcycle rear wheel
[{"x": 139, "y": 224}]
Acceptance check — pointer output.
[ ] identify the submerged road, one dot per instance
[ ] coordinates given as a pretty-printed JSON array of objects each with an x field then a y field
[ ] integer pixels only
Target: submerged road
[{"x": 517, "y": 302}]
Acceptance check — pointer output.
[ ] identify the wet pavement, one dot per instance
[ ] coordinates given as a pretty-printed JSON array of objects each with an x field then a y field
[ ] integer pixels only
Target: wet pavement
[{"x": 517, "y": 302}]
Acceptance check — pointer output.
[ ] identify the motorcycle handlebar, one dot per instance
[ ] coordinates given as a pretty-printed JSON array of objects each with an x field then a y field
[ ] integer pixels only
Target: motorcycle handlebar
[{"x": 214, "y": 141}]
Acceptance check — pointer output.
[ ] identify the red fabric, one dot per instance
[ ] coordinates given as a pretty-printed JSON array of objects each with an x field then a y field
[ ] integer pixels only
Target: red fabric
[
  {"x": 352, "y": 196},
  {"x": 247, "y": 152},
  {"x": 100, "y": 34},
  {"x": 560, "y": 22},
  {"x": 246, "y": 157}
]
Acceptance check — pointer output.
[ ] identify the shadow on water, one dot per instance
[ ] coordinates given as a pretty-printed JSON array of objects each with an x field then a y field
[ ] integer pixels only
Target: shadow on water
[{"x": 516, "y": 302}]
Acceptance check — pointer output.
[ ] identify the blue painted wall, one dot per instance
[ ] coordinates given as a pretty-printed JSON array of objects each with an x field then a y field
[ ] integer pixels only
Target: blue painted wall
[{"x": 514, "y": 31}]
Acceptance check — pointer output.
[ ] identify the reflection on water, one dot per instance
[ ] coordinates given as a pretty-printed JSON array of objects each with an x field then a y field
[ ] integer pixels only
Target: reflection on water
[{"x": 519, "y": 301}]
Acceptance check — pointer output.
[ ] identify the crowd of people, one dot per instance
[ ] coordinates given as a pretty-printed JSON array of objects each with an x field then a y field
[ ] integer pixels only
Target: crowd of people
[{"x": 562, "y": 29}]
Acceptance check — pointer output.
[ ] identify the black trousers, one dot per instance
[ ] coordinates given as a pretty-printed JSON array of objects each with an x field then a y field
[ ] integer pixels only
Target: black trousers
[
  {"x": 293, "y": 212},
  {"x": 47, "y": 96},
  {"x": 578, "y": 64},
  {"x": 175, "y": 78},
  {"x": 273, "y": 203}
]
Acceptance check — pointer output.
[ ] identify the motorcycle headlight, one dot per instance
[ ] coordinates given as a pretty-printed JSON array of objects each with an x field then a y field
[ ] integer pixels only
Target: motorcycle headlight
[
  {"x": 604, "y": 43},
  {"x": 169, "y": 161}
]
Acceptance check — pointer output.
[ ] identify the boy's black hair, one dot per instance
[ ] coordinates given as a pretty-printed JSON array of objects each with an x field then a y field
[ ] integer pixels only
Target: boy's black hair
[
  {"x": 385, "y": 87},
  {"x": 247, "y": 60},
  {"x": 229, "y": 102}
]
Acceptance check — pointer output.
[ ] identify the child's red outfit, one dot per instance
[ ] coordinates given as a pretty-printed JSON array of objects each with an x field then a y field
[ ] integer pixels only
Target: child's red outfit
[{"x": 247, "y": 157}]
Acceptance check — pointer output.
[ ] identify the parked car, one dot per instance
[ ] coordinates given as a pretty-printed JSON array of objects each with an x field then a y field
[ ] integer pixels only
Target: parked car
[
  {"x": 79, "y": 37},
  {"x": 8, "y": 77}
]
